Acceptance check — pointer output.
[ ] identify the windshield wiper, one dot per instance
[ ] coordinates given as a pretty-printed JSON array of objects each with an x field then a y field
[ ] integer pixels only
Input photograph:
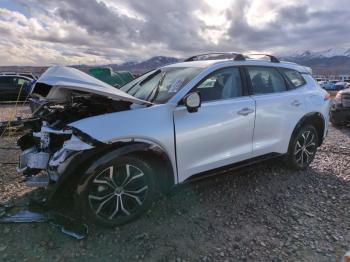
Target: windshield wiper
[
  {"x": 150, "y": 77},
  {"x": 155, "y": 91}
]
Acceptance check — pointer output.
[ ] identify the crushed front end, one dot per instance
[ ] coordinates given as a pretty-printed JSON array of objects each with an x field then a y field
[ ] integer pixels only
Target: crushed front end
[
  {"x": 51, "y": 147},
  {"x": 46, "y": 149}
]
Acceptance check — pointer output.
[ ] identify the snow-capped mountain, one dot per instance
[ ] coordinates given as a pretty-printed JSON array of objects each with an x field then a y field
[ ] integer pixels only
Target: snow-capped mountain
[
  {"x": 332, "y": 52},
  {"x": 335, "y": 60}
]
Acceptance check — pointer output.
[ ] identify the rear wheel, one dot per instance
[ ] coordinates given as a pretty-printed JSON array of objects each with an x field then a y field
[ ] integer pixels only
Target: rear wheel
[
  {"x": 119, "y": 191},
  {"x": 302, "y": 148}
]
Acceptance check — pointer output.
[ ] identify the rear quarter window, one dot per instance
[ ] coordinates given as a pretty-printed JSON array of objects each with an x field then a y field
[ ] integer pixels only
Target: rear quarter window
[{"x": 295, "y": 78}]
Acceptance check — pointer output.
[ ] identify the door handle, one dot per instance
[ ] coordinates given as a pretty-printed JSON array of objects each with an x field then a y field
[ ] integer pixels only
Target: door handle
[
  {"x": 245, "y": 111},
  {"x": 296, "y": 103}
]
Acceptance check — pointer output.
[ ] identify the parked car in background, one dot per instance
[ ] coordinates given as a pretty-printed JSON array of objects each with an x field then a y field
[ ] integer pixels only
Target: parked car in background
[
  {"x": 327, "y": 85},
  {"x": 340, "y": 86},
  {"x": 113, "y": 149},
  {"x": 340, "y": 109},
  {"x": 15, "y": 86}
]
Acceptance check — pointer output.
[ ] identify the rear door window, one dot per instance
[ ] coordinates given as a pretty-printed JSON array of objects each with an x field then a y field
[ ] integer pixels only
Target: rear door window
[{"x": 265, "y": 80}]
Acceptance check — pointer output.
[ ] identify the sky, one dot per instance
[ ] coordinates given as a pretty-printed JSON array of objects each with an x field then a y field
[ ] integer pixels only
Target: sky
[{"x": 63, "y": 32}]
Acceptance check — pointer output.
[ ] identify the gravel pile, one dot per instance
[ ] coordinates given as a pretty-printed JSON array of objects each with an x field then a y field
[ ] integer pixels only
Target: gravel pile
[{"x": 261, "y": 213}]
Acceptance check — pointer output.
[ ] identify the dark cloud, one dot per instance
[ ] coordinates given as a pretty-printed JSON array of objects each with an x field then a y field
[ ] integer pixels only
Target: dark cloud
[{"x": 98, "y": 29}]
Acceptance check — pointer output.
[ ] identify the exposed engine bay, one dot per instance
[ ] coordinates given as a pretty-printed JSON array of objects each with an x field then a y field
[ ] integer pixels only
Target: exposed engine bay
[
  {"x": 61, "y": 96},
  {"x": 49, "y": 141}
]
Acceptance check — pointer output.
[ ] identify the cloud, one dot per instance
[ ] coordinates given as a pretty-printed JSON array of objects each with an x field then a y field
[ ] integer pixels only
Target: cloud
[
  {"x": 296, "y": 26},
  {"x": 109, "y": 31}
]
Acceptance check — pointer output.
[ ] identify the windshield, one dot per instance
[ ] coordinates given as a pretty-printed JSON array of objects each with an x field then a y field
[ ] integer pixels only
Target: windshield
[{"x": 160, "y": 85}]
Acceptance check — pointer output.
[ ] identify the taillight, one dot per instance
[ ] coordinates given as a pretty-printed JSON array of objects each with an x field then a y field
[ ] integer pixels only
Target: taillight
[
  {"x": 338, "y": 98},
  {"x": 327, "y": 97}
]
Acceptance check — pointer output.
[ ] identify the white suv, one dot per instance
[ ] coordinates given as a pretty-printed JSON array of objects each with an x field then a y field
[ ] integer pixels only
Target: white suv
[{"x": 114, "y": 148}]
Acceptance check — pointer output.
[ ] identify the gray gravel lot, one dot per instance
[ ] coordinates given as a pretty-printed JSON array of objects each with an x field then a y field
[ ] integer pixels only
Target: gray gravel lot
[{"x": 261, "y": 213}]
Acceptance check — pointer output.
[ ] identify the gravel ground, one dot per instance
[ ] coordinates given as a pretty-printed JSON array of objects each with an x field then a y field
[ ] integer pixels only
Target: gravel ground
[
  {"x": 261, "y": 213},
  {"x": 10, "y": 112}
]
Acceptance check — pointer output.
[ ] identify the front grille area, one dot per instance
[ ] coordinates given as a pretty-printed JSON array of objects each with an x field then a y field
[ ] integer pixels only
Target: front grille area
[{"x": 345, "y": 99}]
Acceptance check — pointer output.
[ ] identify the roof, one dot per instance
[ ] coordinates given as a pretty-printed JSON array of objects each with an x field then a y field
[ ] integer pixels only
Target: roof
[{"x": 247, "y": 62}]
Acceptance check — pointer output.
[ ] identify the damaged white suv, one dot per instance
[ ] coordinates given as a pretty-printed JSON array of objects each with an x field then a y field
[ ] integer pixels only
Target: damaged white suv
[{"x": 114, "y": 148}]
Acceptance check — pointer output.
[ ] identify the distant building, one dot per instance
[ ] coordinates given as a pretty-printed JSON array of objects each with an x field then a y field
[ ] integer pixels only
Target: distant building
[
  {"x": 324, "y": 77},
  {"x": 344, "y": 77}
]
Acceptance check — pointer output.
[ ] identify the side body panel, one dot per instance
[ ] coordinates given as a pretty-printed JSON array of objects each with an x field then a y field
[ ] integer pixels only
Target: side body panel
[
  {"x": 315, "y": 100},
  {"x": 214, "y": 136},
  {"x": 277, "y": 114}
]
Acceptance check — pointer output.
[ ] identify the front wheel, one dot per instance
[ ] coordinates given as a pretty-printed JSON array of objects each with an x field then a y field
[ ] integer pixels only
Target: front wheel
[
  {"x": 119, "y": 191},
  {"x": 302, "y": 148}
]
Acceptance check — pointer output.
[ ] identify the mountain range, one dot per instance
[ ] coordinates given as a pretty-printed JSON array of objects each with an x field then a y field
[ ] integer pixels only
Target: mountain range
[
  {"x": 143, "y": 66},
  {"x": 331, "y": 61}
]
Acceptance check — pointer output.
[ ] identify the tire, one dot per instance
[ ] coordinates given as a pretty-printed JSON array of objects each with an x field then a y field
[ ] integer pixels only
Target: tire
[
  {"x": 119, "y": 191},
  {"x": 302, "y": 148}
]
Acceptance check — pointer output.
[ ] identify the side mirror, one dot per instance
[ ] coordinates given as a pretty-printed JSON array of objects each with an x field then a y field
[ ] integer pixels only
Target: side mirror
[{"x": 192, "y": 101}]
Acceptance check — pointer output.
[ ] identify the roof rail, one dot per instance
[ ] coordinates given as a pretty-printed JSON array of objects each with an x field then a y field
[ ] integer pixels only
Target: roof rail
[
  {"x": 25, "y": 74},
  {"x": 214, "y": 56},
  {"x": 273, "y": 59},
  {"x": 8, "y": 73}
]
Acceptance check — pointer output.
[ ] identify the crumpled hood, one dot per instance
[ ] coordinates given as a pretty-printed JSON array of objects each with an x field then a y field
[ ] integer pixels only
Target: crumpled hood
[{"x": 63, "y": 79}]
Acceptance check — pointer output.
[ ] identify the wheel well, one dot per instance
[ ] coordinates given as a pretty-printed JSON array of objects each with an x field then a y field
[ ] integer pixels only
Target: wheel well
[
  {"x": 162, "y": 164},
  {"x": 85, "y": 162},
  {"x": 317, "y": 121}
]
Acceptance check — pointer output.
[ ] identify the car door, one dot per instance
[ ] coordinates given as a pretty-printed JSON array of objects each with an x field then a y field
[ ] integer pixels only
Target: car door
[
  {"x": 279, "y": 107},
  {"x": 220, "y": 132}
]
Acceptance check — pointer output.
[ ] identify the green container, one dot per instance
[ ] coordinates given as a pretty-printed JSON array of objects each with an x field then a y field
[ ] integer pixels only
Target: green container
[{"x": 107, "y": 75}]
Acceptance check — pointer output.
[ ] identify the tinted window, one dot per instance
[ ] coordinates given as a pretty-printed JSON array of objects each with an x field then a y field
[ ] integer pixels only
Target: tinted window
[
  {"x": 6, "y": 82},
  {"x": 294, "y": 76},
  {"x": 21, "y": 82},
  {"x": 266, "y": 80},
  {"x": 222, "y": 84}
]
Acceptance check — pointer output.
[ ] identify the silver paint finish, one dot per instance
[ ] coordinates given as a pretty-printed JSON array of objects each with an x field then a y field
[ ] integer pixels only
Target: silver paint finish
[
  {"x": 221, "y": 132},
  {"x": 151, "y": 124},
  {"x": 215, "y": 136}
]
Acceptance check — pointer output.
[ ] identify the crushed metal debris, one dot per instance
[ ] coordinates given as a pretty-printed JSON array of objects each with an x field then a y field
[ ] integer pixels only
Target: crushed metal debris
[{"x": 67, "y": 225}]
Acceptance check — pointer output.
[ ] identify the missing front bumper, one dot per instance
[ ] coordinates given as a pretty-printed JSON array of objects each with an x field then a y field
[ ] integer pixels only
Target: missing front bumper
[{"x": 32, "y": 159}]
